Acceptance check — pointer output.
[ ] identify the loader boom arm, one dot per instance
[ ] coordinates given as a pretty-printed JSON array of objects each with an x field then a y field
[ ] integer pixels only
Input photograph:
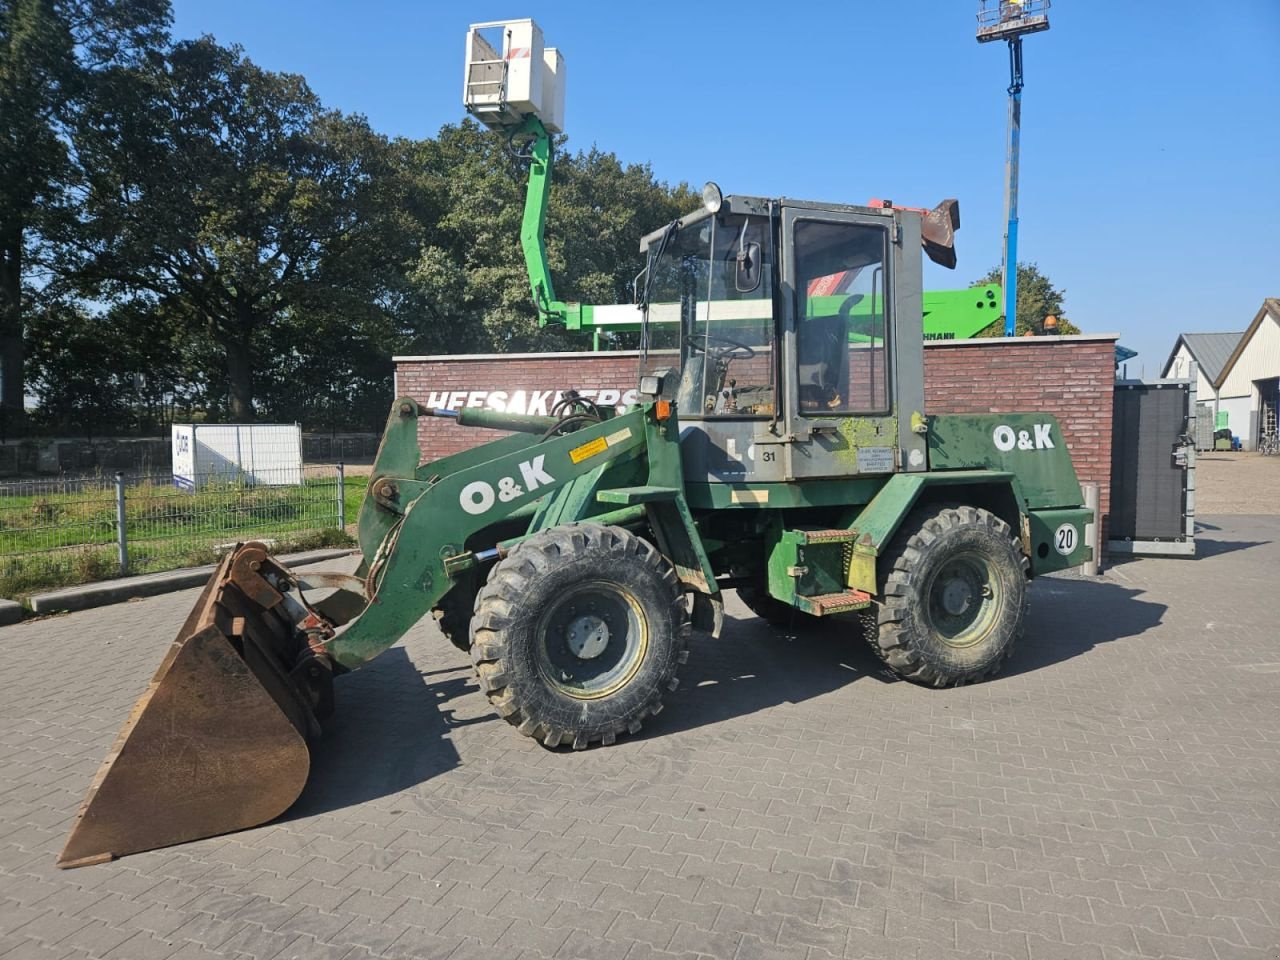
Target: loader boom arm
[{"x": 416, "y": 521}]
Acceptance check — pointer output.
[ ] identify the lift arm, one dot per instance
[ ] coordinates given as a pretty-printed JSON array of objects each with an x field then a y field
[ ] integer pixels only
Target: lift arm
[{"x": 541, "y": 155}]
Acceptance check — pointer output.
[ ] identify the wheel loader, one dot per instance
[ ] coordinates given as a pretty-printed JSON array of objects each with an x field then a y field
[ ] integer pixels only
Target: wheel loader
[{"x": 780, "y": 447}]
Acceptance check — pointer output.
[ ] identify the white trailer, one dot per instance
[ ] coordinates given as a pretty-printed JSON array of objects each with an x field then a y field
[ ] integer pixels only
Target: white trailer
[{"x": 268, "y": 454}]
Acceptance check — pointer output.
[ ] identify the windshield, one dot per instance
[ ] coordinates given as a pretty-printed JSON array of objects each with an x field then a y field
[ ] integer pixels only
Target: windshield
[{"x": 710, "y": 315}]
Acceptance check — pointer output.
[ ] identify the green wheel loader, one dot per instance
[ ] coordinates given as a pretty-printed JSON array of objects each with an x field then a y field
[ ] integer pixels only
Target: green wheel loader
[{"x": 781, "y": 448}]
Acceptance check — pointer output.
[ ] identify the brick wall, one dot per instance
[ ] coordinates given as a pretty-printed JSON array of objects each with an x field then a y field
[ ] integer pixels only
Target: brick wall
[{"x": 1070, "y": 377}]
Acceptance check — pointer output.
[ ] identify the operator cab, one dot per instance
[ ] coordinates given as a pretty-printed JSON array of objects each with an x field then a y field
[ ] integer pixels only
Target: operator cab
[{"x": 790, "y": 336}]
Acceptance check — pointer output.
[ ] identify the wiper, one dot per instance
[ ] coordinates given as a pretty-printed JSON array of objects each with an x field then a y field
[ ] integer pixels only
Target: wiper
[{"x": 667, "y": 232}]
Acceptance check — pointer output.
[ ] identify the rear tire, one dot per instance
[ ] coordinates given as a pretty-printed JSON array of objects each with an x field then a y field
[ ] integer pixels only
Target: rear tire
[
  {"x": 953, "y": 596},
  {"x": 578, "y": 634}
]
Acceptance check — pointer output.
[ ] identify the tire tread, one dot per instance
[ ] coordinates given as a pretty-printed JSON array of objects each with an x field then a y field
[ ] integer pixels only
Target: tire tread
[
  {"x": 499, "y": 599},
  {"x": 893, "y": 641}
]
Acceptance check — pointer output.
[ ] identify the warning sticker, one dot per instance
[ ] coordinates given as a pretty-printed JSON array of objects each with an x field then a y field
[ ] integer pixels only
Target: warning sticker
[
  {"x": 588, "y": 449},
  {"x": 618, "y": 437}
]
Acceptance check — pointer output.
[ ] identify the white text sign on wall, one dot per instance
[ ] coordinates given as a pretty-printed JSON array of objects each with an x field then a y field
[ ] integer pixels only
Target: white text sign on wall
[{"x": 532, "y": 402}]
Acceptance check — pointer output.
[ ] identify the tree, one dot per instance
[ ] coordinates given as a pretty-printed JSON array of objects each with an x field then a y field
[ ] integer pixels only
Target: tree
[
  {"x": 37, "y": 64},
  {"x": 220, "y": 239},
  {"x": 602, "y": 211},
  {"x": 122, "y": 368},
  {"x": 230, "y": 190},
  {"x": 469, "y": 287},
  {"x": 50, "y": 53},
  {"x": 1037, "y": 298}
]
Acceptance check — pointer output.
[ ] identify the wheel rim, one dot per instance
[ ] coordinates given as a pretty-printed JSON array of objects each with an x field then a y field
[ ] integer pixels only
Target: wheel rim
[
  {"x": 592, "y": 640},
  {"x": 964, "y": 600}
]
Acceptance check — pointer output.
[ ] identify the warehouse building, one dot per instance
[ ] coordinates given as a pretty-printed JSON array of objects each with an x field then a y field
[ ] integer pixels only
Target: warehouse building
[{"x": 1250, "y": 380}]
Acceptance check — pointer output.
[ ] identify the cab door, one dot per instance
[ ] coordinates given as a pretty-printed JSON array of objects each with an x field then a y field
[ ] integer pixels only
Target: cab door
[{"x": 848, "y": 364}]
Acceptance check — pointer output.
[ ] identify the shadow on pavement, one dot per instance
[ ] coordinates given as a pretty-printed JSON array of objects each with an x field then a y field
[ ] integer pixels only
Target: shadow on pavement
[
  {"x": 1243, "y": 527},
  {"x": 1071, "y": 617},
  {"x": 1206, "y": 546},
  {"x": 387, "y": 734},
  {"x": 1214, "y": 548},
  {"x": 753, "y": 667}
]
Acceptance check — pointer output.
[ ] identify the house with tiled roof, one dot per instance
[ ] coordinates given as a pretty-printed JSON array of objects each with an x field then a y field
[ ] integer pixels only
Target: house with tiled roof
[{"x": 1209, "y": 352}]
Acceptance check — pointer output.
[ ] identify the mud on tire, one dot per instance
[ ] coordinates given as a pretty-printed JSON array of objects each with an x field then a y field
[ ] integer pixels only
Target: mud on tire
[
  {"x": 578, "y": 634},
  {"x": 953, "y": 596}
]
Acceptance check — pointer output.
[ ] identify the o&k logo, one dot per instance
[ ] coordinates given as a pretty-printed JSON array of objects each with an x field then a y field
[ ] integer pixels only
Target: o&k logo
[
  {"x": 479, "y": 496},
  {"x": 1037, "y": 438}
]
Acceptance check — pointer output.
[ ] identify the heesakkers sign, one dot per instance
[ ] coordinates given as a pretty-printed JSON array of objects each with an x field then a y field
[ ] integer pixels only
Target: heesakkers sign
[{"x": 532, "y": 402}]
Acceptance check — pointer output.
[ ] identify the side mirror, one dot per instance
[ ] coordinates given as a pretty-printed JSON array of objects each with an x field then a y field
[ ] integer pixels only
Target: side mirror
[{"x": 748, "y": 268}]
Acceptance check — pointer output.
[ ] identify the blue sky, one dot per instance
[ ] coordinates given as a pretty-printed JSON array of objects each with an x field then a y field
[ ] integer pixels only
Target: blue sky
[{"x": 1150, "y": 185}]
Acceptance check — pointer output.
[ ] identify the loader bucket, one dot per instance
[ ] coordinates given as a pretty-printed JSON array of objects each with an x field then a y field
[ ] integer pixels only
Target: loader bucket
[
  {"x": 218, "y": 741},
  {"x": 938, "y": 233}
]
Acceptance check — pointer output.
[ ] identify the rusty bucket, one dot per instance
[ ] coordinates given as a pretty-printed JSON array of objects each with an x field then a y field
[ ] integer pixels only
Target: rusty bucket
[
  {"x": 218, "y": 741},
  {"x": 938, "y": 233}
]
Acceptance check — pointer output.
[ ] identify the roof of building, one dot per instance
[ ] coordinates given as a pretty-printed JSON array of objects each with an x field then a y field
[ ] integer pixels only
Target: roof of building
[
  {"x": 1271, "y": 306},
  {"x": 1210, "y": 350}
]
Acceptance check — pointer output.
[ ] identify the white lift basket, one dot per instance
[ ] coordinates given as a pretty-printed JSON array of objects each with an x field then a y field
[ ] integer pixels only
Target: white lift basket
[{"x": 510, "y": 75}]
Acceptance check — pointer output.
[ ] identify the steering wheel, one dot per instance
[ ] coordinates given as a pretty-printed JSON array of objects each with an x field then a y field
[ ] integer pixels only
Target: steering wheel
[{"x": 731, "y": 349}]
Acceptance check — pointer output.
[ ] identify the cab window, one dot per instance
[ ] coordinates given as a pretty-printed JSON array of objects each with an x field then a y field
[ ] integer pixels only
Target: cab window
[{"x": 841, "y": 352}]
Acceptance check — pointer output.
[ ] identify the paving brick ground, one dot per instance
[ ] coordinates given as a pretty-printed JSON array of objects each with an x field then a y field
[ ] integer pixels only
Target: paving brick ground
[
  {"x": 1115, "y": 794},
  {"x": 1237, "y": 483}
]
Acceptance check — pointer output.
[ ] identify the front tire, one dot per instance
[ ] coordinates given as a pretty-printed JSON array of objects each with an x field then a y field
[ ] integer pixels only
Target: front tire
[
  {"x": 953, "y": 596},
  {"x": 578, "y": 634}
]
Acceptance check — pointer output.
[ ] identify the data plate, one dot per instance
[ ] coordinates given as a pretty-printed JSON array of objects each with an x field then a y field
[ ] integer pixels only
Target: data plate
[{"x": 875, "y": 460}]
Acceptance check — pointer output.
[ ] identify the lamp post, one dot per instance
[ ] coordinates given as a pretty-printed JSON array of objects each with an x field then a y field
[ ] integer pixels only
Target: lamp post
[{"x": 1011, "y": 20}]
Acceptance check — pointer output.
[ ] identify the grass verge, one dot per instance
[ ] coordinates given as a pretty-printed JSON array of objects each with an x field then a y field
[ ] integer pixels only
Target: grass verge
[{"x": 58, "y": 540}]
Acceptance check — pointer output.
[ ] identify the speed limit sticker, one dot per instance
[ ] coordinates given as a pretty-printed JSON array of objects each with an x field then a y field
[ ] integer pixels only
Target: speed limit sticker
[{"x": 1064, "y": 539}]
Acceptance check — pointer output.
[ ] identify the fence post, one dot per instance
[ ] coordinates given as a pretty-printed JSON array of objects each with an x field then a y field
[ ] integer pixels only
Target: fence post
[
  {"x": 1091, "y": 529},
  {"x": 342, "y": 498},
  {"x": 122, "y": 542}
]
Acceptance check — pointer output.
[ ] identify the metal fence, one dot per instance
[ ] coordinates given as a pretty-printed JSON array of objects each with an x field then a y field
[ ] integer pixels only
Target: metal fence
[
  {"x": 61, "y": 531},
  {"x": 74, "y": 457}
]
